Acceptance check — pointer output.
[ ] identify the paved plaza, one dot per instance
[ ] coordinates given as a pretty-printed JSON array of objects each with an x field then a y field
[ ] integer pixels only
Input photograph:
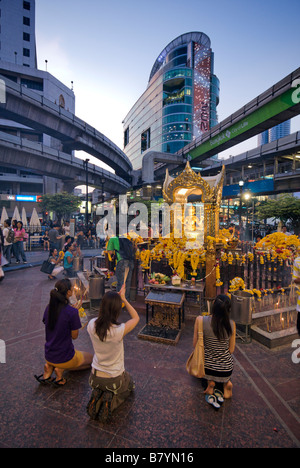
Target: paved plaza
[{"x": 167, "y": 409}]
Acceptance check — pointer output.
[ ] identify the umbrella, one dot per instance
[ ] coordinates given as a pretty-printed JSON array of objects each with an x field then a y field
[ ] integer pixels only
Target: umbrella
[
  {"x": 16, "y": 214},
  {"x": 24, "y": 218},
  {"x": 3, "y": 216},
  {"x": 34, "y": 222}
]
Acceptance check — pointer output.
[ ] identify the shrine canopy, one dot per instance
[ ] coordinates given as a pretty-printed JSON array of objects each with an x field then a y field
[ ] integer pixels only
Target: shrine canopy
[{"x": 201, "y": 218}]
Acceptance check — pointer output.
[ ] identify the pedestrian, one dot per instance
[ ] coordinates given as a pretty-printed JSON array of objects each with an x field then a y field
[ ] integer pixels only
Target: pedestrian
[
  {"x": 46, "y": 240},
  {"x": 219, "y": 344},
  {"x": 110, "y": 382},
  {"x": 1, "y": 252},
  {"x": 80, "y": 239},
  {"x": 54, "y": 237},
  {"x": 55, "y": 259},
  {"x": 68, "y": 241},
  {"x": 285, "y": 231},
  {"x": 67, "y": 228},
  {"x": 20, "y": 237},
  {"x": 296, "y": 280},
  {"x": 62, "y": 325},
  {"x": 9, "y": 235},
  {"x": 68, "y": 260},
  {"x": 124, "y": 253}
]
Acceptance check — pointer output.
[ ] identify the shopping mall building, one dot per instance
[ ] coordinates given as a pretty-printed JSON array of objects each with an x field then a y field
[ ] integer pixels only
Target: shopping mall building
[{"x": 180, "y": 102}]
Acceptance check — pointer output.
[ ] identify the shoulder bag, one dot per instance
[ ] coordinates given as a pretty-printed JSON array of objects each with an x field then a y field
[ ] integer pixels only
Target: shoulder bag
[
  {"x": 195, "y": 363},
  {"x": 47, "y": 267}
]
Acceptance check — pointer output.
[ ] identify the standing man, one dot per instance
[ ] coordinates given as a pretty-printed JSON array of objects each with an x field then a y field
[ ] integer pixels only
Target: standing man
[
  {"x": 54, "y": 237},
  {"x": 285, "y": 231},
  {"x": 9, "y": 235},
  {"x": 125, "y": 255}
]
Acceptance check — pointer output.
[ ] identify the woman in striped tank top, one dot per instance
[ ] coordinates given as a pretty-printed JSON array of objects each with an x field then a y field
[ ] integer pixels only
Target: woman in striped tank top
[{"x": 219, "y": 343}]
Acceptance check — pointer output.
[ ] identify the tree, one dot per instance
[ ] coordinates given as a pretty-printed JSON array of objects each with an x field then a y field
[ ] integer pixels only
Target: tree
[
  {"x": 286, "y": 208},
  {"x": 63, "y": 204}
]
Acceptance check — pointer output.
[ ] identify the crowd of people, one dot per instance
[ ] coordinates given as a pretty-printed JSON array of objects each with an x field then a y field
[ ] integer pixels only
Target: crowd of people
[
  {"x": 257, "y": 232},
  {"x": 54, "y": 237}
]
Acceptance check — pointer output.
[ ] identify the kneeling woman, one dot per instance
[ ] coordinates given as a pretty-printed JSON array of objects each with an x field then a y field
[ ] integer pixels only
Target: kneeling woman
[
  {"x": 219, "y": 343},
  {"x": 62, "y": 325},
  {"x": 111, "y": 383}
]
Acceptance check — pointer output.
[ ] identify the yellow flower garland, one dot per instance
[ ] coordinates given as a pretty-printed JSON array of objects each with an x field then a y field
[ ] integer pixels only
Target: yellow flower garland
[
  {"x": 145, "y": 257},
  {"x": 218, "y": 277}
]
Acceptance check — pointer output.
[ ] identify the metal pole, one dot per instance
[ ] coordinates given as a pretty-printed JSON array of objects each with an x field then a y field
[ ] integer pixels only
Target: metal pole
[
  {"x": 87, "y": 193},
  {"x": 241, "y": 184},
  {"x": 252, "y": 219}
]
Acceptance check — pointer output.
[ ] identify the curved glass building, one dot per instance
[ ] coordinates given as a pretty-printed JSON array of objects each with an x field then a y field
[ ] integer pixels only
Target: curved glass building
[{"x": 180, "y": 102}]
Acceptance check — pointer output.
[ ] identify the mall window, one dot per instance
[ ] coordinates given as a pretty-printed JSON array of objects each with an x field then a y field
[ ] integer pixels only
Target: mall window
[
  {"x": 26, "y": 52},
  {"x": 26, "y": 5},
  {"x": 126, "y": 137},
  {"x": 26, "y": 37},
  {"x": 32, "y": 84},
  {"x": 145, "y": 140},
  {"x": 26, "y": 21}
]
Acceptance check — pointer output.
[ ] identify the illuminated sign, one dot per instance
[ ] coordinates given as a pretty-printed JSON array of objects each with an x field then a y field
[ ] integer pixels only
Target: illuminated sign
[
  {"x": 21, "y": 198},
  {"x": 26, "y": 198},
  {"x": 202, "y": 69}
]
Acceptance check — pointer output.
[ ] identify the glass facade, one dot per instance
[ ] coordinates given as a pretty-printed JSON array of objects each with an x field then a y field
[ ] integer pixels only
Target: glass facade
[
  {"x": 179, "y": 103},
  {"x": 279, "y": 131}
]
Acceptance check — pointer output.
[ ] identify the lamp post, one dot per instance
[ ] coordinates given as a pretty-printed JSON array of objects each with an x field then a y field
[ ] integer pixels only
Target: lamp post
[
  {"x": 102, "y": 188},
  {"x": 85, "y": 165},
  {"x": 247, "y": 196},
  {"x": 241, "y": 184}
]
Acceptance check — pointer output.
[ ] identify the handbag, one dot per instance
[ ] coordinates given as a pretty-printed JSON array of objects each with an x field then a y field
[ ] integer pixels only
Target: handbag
[
  {"x": 47, "y": 267},
  {"x": 195, "y": 363}
]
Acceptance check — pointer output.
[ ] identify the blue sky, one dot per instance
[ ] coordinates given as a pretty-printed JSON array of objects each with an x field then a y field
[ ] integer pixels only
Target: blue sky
[{"x": 108, "y": 49}]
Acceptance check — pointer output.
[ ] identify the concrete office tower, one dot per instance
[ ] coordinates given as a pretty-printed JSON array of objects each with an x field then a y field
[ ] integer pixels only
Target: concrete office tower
[
  {"x": 17, "y": 33},
  {"x": 18, "y": 63},
  {"x": 279, "y": 131},
  {"x": 179, "y": 103}
]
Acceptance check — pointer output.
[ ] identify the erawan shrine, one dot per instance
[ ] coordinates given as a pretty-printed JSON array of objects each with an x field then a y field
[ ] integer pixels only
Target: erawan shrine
[{"x": 186, "y": 260}]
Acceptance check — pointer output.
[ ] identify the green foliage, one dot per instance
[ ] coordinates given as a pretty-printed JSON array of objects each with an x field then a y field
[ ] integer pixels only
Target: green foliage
[
  {"x": 63, "y": 204},
  {"x": 285, "y": 207}
]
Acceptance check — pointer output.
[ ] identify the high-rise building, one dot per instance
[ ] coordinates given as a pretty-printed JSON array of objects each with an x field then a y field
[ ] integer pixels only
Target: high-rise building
[
  {"x": 279, "y": 131},
  {"x": 180, "y": 102},
  {"x": 17, "y": 33}
]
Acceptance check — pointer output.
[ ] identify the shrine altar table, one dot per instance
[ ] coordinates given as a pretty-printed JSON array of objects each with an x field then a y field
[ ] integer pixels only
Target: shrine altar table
[{"x": 167, "y": 301}]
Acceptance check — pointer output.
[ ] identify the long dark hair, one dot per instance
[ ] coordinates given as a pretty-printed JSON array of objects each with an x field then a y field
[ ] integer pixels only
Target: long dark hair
[
  {"x": 220, "y": 321},
  {"x": 110, "y": 309},
  {"x": 58, "y": 299}
]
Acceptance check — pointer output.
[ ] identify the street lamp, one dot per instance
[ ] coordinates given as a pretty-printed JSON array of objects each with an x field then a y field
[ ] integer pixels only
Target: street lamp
[
  {"x": 102, "y": 188},
  {"x": 247, "y": 197},
  {"x": 85, "y": 165},
  {"x": 241, "y": 184}
]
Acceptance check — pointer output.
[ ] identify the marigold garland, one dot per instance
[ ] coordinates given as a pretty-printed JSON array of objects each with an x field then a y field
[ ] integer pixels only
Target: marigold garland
[{"x": 218, "y": 276}]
